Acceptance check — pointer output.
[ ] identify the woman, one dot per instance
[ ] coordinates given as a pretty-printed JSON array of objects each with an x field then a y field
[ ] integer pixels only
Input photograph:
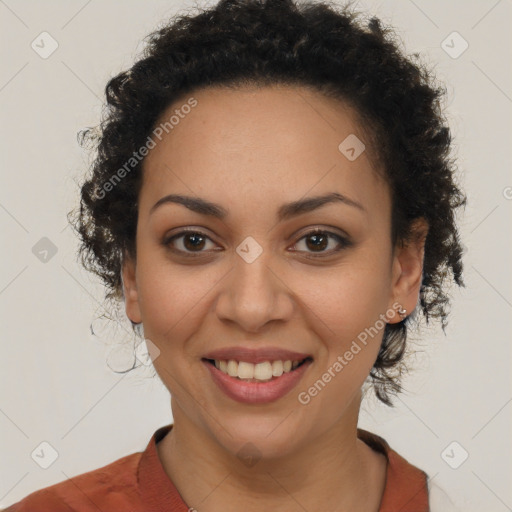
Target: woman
[{"x": 272, "y": 198}]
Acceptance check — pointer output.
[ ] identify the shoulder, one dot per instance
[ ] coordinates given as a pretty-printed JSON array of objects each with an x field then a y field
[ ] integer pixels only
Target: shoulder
[
  {"x": 112, "y": 487},
  {"x": 407, "y": 485},
  {"x": 438, "y": 499}
]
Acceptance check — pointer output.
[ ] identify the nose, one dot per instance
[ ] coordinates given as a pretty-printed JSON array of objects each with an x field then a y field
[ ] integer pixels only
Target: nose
[{"x": 254, "y": 294}]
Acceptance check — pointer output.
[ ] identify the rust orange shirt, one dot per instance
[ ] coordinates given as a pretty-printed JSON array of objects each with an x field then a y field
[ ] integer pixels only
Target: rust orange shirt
[{"x": 138, "y": 483}]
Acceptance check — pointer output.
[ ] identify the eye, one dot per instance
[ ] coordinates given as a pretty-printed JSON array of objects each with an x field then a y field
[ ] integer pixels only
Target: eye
[
  {"x": 192, "y": 242},
  {"x": 317, "y": 240},
  {"x": 188, "y": 242}
]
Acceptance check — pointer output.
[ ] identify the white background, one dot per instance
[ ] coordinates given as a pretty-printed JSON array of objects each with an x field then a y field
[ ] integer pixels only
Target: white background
[{"x": 55, "y": 383}]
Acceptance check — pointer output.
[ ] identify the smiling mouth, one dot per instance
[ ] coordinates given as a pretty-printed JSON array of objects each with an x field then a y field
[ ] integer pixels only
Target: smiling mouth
[{"x": 265, "y": 371}]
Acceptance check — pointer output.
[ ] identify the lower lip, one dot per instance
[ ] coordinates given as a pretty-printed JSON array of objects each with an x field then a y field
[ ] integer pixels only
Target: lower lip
[{"x": 257, "y": 392}]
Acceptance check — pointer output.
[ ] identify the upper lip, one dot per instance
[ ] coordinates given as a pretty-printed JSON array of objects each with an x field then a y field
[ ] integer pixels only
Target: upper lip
[{"x": 255, "y": 355}]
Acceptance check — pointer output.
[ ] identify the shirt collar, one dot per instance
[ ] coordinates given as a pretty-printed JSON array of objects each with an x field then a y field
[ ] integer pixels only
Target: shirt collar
[{"x": 406, "y": 485}]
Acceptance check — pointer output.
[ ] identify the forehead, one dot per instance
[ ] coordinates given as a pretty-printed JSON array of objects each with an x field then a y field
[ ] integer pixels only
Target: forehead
[{"x": 262, "y": 143}]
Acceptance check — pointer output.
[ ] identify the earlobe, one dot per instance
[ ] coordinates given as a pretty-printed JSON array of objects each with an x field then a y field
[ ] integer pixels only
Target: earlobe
[
  {"x": 130, "y": 291},
  {"x": 408, "y": 270}
]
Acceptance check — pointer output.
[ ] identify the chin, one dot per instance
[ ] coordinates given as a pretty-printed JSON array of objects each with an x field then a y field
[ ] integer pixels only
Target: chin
[{"x": 257, "y": 435}]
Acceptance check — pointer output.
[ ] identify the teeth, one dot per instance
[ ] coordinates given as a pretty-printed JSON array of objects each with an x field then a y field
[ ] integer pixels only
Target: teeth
[
  {"x": 232, "y": 368},
  {"x": 245, "y": 370},
  {"x": 277, "y": 368},
  {"x": 260, "y": 371}
]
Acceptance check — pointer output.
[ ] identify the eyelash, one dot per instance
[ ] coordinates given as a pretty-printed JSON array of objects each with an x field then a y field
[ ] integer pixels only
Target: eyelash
[{"x": 343, "y": 242}]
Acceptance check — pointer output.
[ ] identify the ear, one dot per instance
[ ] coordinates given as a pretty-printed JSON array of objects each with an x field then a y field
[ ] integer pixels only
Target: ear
[
  {"x": 408, "y": 270},
  {"x": 131, "y": 296}
]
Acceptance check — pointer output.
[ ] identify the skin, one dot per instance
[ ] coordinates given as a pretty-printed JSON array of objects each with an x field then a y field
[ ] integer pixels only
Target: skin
[{"x": 251, "y": 150}]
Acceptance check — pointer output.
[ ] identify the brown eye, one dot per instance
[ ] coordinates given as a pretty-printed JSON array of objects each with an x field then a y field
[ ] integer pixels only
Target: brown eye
[
  {"x": 318, "y": 241},
  {"x": 193, "y": 241},
  {"x": 188, "y": 242}
]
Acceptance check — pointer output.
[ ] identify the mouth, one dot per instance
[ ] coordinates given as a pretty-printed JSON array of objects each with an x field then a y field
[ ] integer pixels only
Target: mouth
[
  {"x": 265, "y": 371},
  {"x": 256, "y": 383}
]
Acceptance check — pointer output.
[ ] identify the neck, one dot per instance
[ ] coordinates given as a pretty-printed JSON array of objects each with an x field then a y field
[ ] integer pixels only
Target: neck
[{"x": 334, "y": 471}]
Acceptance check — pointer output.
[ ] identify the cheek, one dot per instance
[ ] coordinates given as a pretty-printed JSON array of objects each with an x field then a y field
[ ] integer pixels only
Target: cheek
[
  {"x": 347, "y": 310},
  {"x": 171, "y": 298},
  {"x": 349, "y": 319},
  {"x": 347, "y": 299}
]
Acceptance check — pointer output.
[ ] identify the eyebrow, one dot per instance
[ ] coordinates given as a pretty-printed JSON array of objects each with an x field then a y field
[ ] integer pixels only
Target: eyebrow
[{"x": 286, "y": 211}]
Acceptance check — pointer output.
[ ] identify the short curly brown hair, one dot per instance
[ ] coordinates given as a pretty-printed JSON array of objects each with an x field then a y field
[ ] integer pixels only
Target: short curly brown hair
[{"x": 264, "y": 42}]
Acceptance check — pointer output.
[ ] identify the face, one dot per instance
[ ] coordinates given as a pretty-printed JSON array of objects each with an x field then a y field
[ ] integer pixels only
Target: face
[{"x": 265, "y": 270}]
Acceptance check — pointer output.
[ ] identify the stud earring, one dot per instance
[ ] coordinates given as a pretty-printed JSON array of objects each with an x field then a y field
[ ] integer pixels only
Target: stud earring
[{"x": 403, "y": 313}]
